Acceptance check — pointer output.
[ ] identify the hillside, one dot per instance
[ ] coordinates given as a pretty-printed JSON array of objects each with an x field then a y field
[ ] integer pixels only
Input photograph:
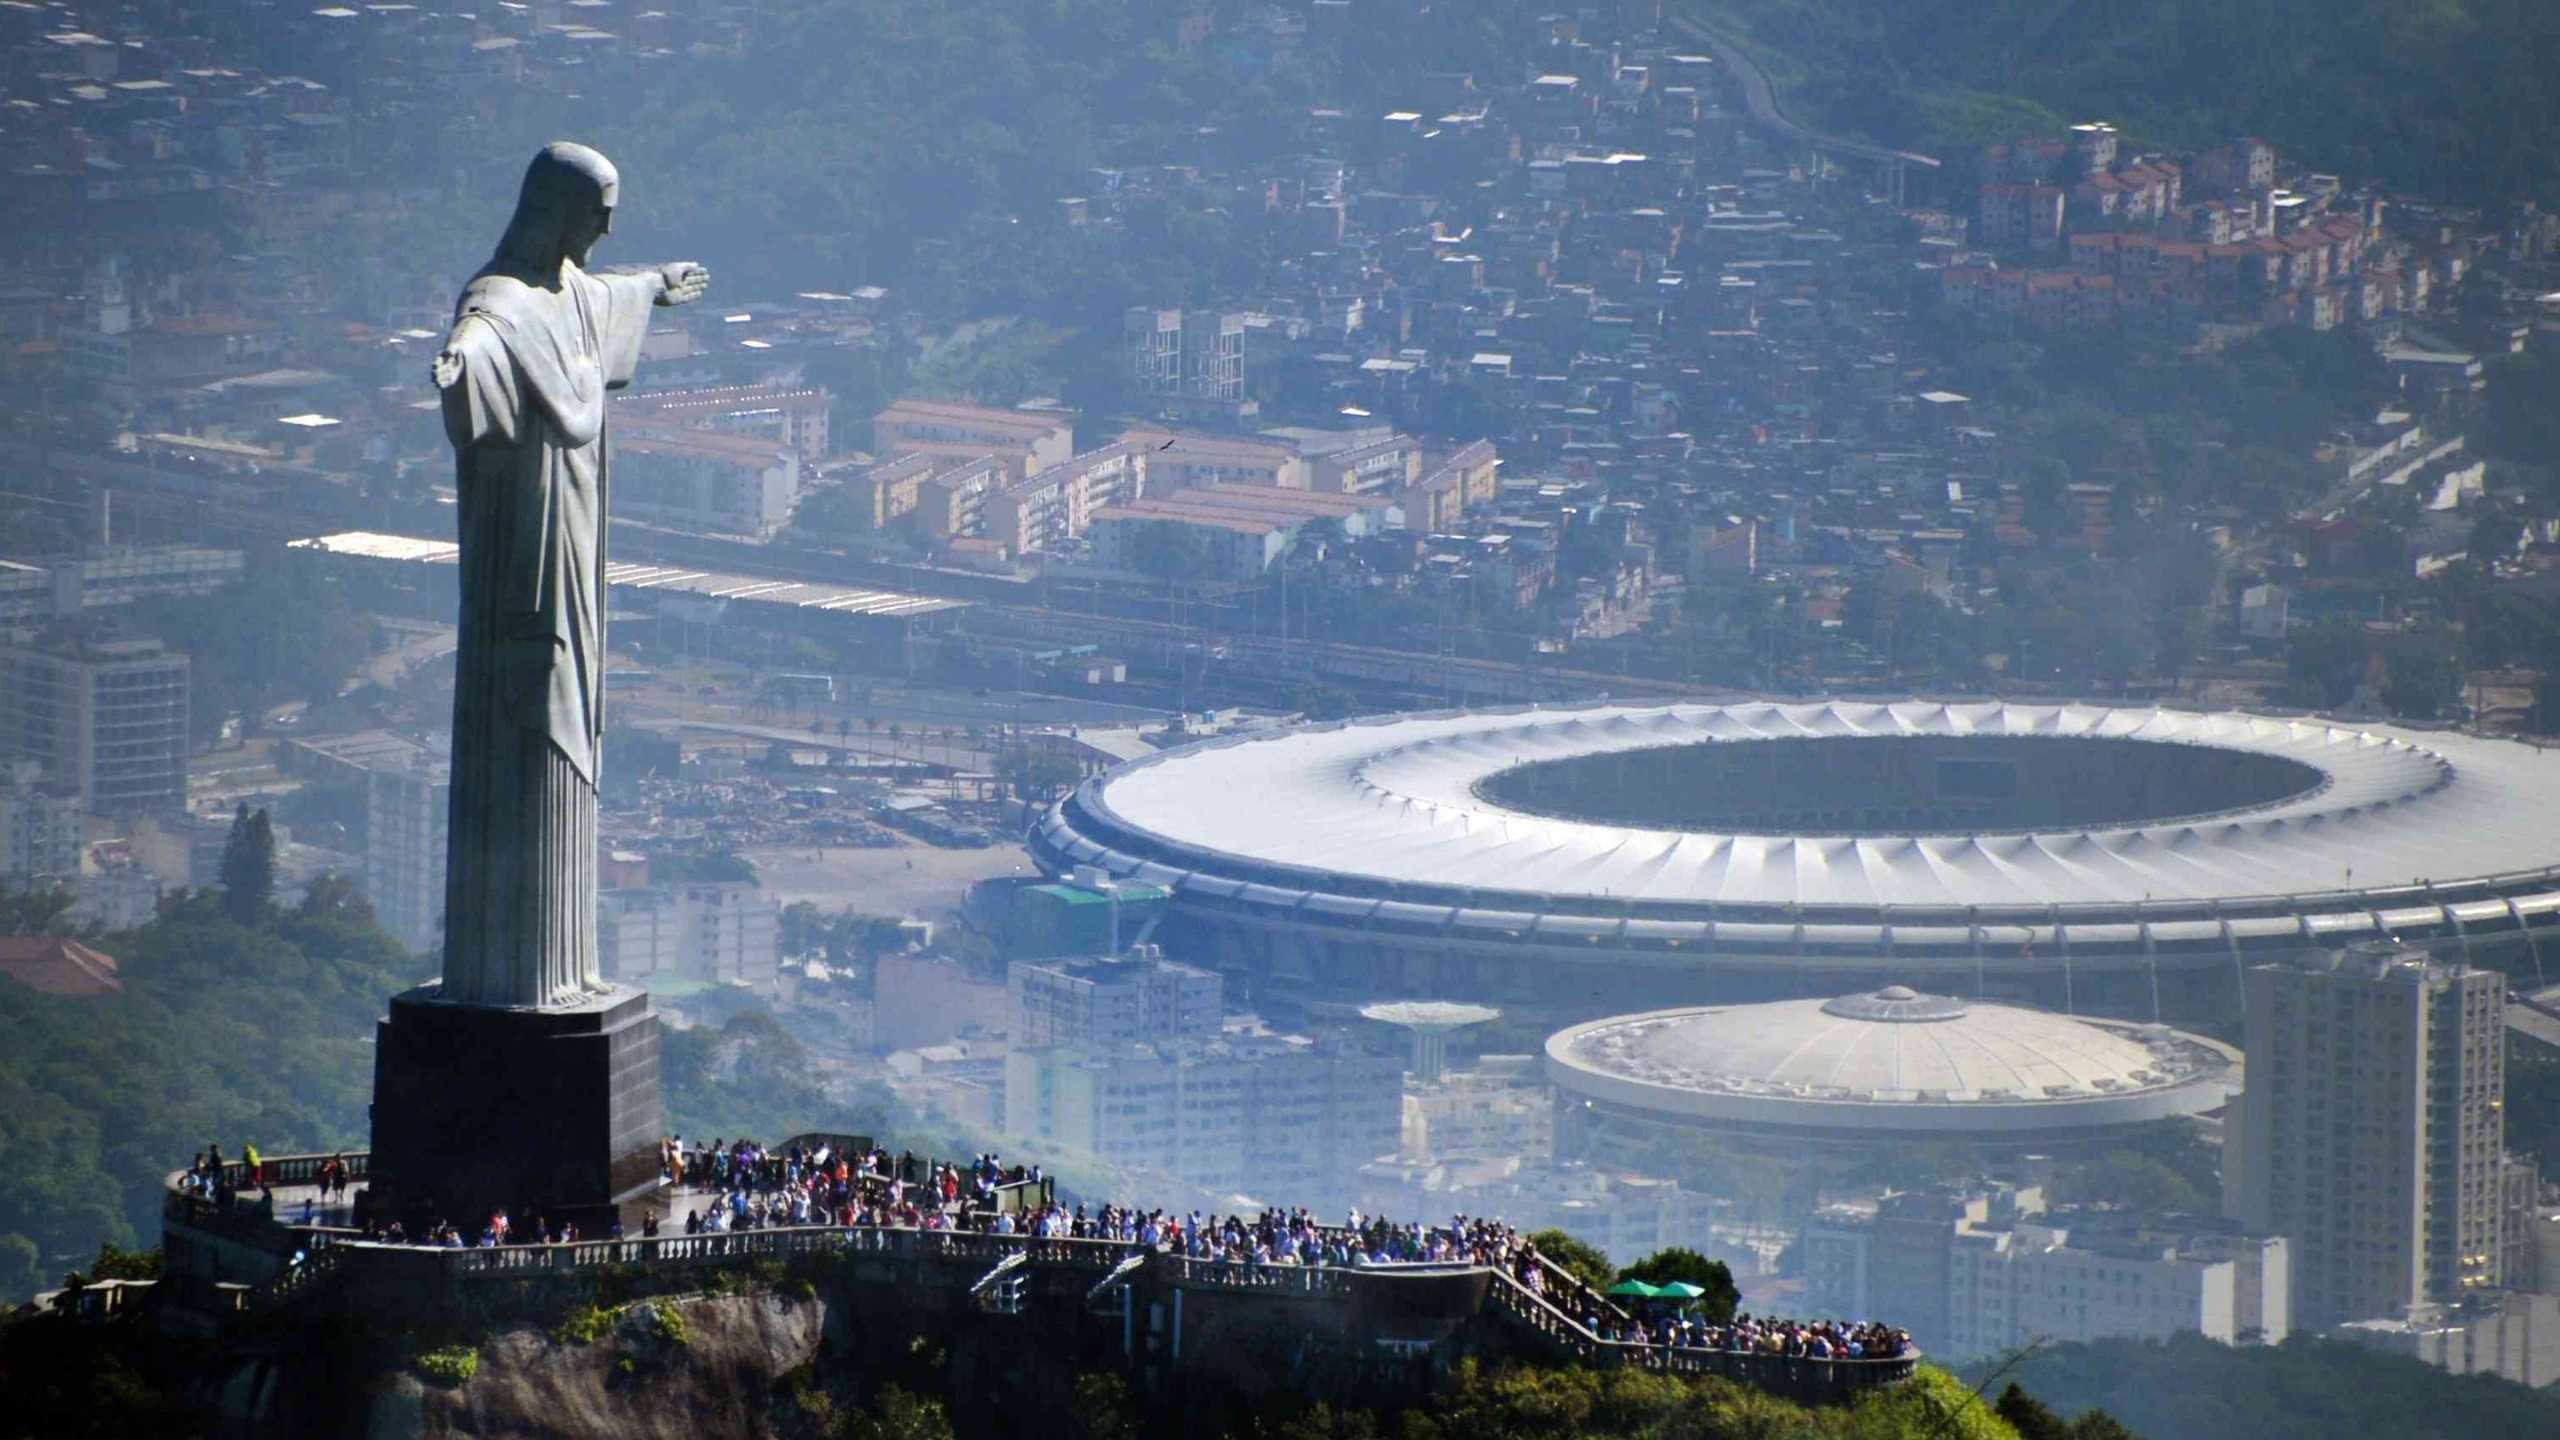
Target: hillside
[
  {"x": 2194, "y": 1389},
  {"x": 2458, "y": 98}
]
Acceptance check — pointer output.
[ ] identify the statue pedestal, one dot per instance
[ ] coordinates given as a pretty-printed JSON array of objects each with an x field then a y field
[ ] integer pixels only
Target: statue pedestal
[{"x": 549, "y": 1113}]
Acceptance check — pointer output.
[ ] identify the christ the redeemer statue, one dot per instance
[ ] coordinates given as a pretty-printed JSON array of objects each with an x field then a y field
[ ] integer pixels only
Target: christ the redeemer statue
[{"x": 538, "y": 340}]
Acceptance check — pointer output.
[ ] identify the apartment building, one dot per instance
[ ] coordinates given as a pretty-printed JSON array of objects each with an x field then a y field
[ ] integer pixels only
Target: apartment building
[
  {"x": 792, "y": 417},
  {"x": 2371, "y": 1133},
  {"x": 732, "y": 484},
  {"x": 1038, "y": 439},
  {"x": 107, "y": 720}
]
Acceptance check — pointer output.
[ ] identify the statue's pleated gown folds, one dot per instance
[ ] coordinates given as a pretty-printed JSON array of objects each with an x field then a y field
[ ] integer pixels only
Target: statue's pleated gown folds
[{"x": 527, "y": 420}]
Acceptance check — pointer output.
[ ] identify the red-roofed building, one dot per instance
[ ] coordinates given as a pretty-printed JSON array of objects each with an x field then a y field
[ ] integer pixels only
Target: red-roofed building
[{"x": 54, "y": 965}]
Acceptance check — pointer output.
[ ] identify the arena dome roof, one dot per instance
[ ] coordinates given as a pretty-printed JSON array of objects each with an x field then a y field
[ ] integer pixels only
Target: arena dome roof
[{"x": 1892, "y": 1061}]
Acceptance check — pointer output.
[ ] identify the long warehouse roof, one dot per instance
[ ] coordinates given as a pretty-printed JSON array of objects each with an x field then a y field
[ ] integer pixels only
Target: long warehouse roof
[{"x": 805, "y": 595}]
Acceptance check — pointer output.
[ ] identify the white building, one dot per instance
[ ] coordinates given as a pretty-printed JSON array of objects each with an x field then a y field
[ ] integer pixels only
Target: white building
[
  {"x": 2009, "y": 1286},
  {"x": 1836, "y": 1257},
  {"x": 1114, "y": 1001},
  {"x": 406, "y": 799},
  {"x": 1500, "y": 1108},
  {"x": 1195, "y": 353},
  {"x": 734, "y": 484},
  {"x": 2371, "y": 1132},
  {"x": 39, "y": 824},
  {"x": 2511, "y": 1335},
  {"x": 1277, "y": 1118},
  {"x": 107, "y": 720},
  {"x": 919, "y": 1000},
  {"x": 1985, "y": 1273},
  {"x": 706, "y": 932},
  {"x": 44, "y": 587}
]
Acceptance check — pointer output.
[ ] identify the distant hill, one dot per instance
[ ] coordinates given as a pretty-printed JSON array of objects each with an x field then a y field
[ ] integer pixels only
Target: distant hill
[
  {"x": 2453, "y": 98},
  {"x": 2194, "y": 1389}
]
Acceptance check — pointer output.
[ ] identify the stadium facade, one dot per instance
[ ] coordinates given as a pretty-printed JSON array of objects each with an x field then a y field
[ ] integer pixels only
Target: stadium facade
[{"x": 2083, "y": 857}]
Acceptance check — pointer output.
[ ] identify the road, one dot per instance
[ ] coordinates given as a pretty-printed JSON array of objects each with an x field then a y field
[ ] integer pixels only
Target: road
[{"x": 1762, "y": 99}]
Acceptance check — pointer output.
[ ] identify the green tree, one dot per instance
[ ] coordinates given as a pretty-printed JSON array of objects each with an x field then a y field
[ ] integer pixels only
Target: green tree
[
  {"x": 38, "y": 910},
  {"x": 1679, "y": 1263},
  {"x": 284, "y": 631},
  {"x": 897, "y": 1413},
  {"x": 2031, "y": 1418},
  {"x": 2325, "y": 663},
  {"x": 332, "y": 896},
  {"x": 1037, "y": 776},
  {"x": 1585, "y": 1262},
  {"x": 249, "y": 866}
]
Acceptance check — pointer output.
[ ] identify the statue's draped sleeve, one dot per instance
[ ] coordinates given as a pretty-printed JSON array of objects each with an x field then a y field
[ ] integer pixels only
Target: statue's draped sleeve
[
  {"x": 485, "y": 403},
  {"x": 625, "y": 322},
  {"x": 536, "y": 364}
]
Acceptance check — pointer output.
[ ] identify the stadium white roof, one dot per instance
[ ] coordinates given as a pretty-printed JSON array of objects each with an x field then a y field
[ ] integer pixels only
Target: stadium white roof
[{"x": 1395, "y": 802}]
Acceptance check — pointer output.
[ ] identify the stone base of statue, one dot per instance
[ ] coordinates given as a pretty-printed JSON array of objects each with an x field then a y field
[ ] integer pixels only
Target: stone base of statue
[{"x": 549, "y": 1113}]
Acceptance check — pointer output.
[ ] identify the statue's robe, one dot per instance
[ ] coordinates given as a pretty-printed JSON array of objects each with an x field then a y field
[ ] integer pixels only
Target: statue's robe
[{"x": 527, "y": 421}]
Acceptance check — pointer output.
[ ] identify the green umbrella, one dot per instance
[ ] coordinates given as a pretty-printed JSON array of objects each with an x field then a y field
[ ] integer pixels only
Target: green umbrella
[
  {"x": 1636, "y": 1288},
  {"x": 1680, "y": 1289}
]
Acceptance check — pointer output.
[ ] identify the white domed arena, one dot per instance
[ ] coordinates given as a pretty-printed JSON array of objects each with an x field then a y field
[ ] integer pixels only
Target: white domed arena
[
  {"x": 1889, "y": 1066},
  {"x": 2089, "y": 858}
]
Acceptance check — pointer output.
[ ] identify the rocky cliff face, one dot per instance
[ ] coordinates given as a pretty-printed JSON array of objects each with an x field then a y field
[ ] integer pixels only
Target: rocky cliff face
[{"x": 665, "y": 1370}]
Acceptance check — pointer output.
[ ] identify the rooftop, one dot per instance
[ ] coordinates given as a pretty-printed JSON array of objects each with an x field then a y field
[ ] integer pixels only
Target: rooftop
[{"x": 1837, "y": 1063}]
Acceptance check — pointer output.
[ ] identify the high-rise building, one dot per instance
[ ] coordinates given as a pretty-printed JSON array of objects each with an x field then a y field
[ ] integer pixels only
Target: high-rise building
[
  {"x": 731, "y": 483},
  {"x": 2010, "y": 1285},
  {"x": 1988, "y": 1272},
  {"x": 38, "y": 588},
  {"x": 1194, "y": 353},
  {"x": 1155, "y": 349},
  {"x": 719, "y": 932},
  {"x": 406, "y": 798},
  {"x": 2371, "y": 1132},
  {"x": 405, "y": 788},
  {"x": 1137, "y": 999},
  {"x": 39, "y": 824},
  {"x": 1277, "y": 1117},
  {"x": 796, "y": 417},
  {"x": 107, "y": 719},
  {"x": 1128, "y": 1057}
]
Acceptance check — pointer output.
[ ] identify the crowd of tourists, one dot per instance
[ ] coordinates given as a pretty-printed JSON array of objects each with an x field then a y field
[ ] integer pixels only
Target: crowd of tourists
[
  {"x": 729, "y": 1186},
  {"x": 1665, "y": 1328},
  {"x": 740, "y": 1185},
  {"x": 211, "y": 1178}
]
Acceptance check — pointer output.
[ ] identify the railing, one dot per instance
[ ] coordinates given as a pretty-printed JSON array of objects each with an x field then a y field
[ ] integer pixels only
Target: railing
[
  {"x": 327, "y": 1250},
  {"x": 777, "y": 1243},
  {"x": 1799, "y": 1372},
  {"x": 1200, "y": 1272},
  {"x": 296, "y": 1278},
  {"x": 275, "y": 1170}
]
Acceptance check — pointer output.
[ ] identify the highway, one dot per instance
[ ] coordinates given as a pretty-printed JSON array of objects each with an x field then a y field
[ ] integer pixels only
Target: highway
[{"x": 1761, "y": 98}]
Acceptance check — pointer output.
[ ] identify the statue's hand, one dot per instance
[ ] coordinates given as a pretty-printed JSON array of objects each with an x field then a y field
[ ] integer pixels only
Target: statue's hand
[
  {"x": 447, "y": 368},
  {"x": 685, "y": 282}
]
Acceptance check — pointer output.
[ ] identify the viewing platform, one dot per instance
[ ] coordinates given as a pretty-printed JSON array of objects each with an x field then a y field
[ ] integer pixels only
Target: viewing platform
[{"x": 278, "y": 1257}]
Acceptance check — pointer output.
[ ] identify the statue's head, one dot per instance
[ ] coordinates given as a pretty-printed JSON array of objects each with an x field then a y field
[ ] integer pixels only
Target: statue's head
[{"x": 565, "y": 207}]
